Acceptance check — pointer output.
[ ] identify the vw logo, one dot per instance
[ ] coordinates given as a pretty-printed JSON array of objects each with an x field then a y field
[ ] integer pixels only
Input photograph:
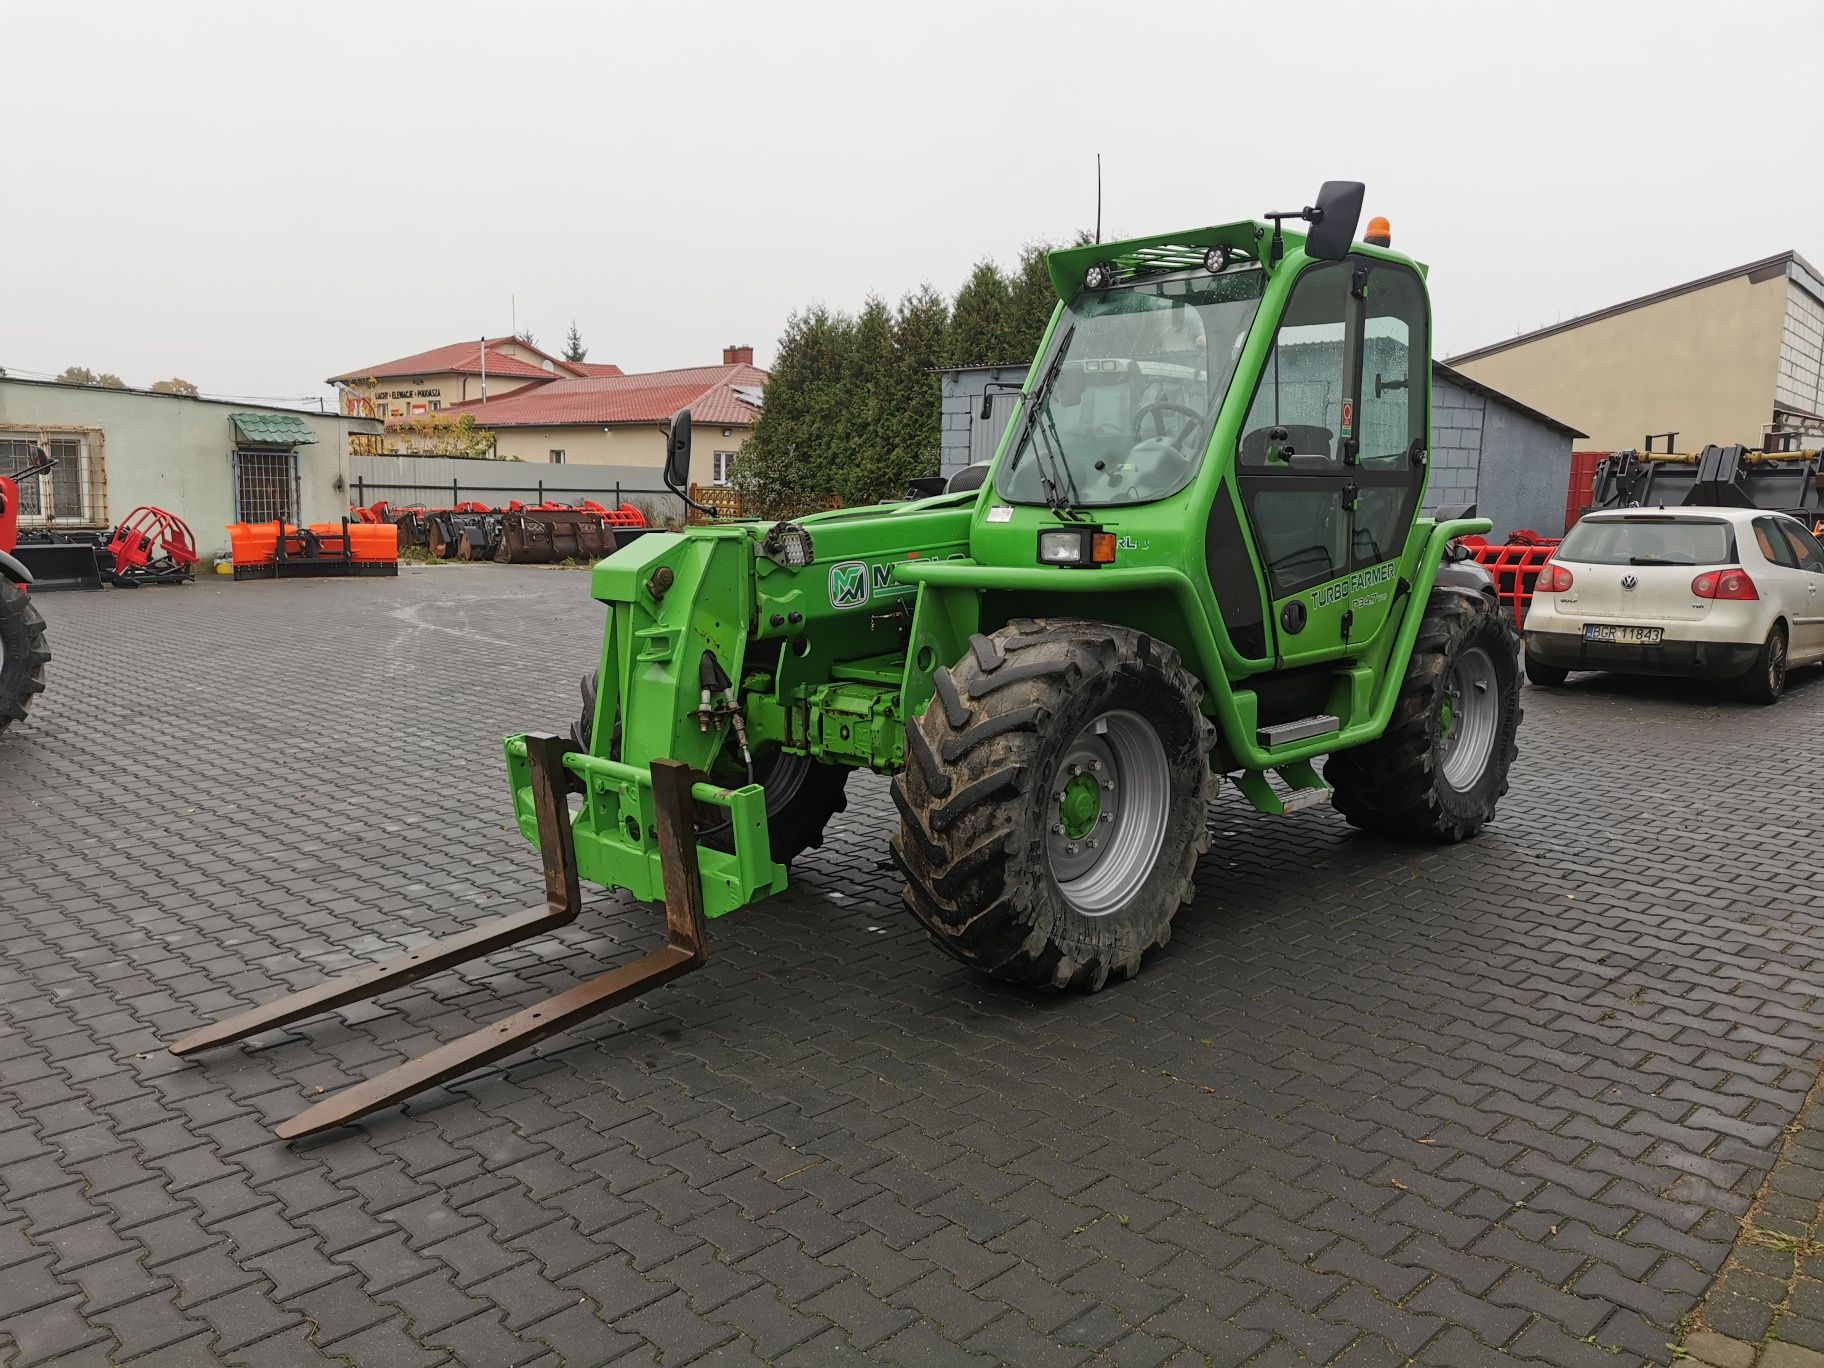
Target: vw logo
[{"x": 1630, "y": 581}]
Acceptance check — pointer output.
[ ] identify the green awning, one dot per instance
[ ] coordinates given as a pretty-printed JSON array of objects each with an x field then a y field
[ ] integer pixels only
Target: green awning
[{"x": 272, "y": 429}]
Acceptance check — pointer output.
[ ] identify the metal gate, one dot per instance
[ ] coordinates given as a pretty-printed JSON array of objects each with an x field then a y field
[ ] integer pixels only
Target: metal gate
[{"x": 266, "y": 486}]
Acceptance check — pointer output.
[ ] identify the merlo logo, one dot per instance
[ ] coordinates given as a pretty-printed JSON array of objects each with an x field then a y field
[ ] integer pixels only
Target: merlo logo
[{"x": 849, "y": 584}]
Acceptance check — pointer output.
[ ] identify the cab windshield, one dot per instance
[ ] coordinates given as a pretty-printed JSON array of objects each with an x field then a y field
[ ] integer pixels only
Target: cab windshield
[{"x": 1136, "y": 379}]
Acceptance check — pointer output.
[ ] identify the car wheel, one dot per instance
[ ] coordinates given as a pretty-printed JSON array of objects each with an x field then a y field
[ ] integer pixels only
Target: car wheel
[
  {"x": 1545, "y": 676},
  {"x": 1766, "y": 678}
]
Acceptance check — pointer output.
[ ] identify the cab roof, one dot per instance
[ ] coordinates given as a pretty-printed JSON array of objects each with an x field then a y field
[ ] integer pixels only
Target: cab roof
[{"x": 1137, "y": 258}]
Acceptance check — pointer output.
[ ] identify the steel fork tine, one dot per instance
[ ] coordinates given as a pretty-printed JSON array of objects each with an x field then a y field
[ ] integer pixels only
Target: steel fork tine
[
  {"x": 686, "y": 948},
  {"x": 563, "y": 900}
]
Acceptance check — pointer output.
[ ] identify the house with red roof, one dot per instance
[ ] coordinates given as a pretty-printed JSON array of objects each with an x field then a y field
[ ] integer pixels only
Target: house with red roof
[
  {"x": 434, "y": 380},
  {"x": 543, "y": 409}
]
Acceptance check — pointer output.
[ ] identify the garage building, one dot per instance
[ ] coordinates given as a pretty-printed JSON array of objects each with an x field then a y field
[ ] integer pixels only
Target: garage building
[{"x": 1735, "y": 357}]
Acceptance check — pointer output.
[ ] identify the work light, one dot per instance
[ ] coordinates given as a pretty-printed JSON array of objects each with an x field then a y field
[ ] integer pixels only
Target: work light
[
  {"x": 1217, "y": 259},
  {"x": 787, "y": 544},
  {"x": 1100, "y": 276}
]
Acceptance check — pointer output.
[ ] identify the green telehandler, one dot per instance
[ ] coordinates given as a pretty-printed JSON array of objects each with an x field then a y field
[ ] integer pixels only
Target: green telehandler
[{"x": 1197, "y": 553}]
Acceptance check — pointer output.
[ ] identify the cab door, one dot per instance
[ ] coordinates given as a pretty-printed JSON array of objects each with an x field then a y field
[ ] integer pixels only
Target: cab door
[{"x": 1331, "y": 460}]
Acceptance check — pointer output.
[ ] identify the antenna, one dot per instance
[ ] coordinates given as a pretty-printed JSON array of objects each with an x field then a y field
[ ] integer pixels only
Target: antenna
[{"x": 1098, "y": 197}]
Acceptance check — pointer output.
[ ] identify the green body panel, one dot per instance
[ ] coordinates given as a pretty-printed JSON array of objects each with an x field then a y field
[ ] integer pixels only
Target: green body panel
[{"x": 831, "y": 659}]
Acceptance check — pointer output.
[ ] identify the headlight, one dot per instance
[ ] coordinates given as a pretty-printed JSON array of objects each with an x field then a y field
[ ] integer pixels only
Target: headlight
[
  {"x": 787, "y": 544},
  {"x": 1082, "y": 545}
]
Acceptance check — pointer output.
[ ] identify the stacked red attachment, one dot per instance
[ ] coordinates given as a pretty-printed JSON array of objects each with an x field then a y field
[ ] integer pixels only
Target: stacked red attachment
[{"x": 1515, "y": 565}]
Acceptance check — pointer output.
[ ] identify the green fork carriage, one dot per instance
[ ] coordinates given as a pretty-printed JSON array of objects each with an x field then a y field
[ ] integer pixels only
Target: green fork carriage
[{"x": 1197, "y": 553}]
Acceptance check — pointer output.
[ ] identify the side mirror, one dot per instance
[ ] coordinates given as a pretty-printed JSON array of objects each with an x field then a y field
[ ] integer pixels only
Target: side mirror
[
  {"x": 677, "y": 451},
  {"x": 1337, "y": 211},
  {"x": 987, "y": 405}
]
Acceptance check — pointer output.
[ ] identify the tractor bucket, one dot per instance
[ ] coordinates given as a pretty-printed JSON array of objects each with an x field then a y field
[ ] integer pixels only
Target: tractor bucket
[
  {"x": 61, "y": 563},
  {"x": 675, "y": 795}
]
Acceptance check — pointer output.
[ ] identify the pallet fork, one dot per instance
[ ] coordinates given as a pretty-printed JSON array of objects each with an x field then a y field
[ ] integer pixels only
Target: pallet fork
[{"x": 686, "y": 948}]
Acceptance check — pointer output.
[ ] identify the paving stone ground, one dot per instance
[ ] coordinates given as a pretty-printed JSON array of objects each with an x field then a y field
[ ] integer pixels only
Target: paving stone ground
[{"x": 1507, "y": 1101}]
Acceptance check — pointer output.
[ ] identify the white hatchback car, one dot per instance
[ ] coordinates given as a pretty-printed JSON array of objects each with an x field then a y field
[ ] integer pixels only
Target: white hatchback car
[{"x": 1713, "y": 593}]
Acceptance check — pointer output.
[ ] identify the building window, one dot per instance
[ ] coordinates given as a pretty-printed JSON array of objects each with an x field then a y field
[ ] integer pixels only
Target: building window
[
  {"x": 557, "y": 456},
  {"x": 436, "y": 405},
  {"x": 266, "y": 486},
  {"x": 723, "y": 471},
  {"x": 69, "y": 493}
]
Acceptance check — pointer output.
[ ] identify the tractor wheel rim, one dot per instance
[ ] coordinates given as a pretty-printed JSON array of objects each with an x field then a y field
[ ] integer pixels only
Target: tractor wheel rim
[
  {"x": 1105, "y": 812},
  {"x": 1469, "y": 716}
]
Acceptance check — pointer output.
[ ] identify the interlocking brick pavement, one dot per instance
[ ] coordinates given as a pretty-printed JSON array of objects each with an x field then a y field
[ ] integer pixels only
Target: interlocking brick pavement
[{"x": 1503, "y": 1102}]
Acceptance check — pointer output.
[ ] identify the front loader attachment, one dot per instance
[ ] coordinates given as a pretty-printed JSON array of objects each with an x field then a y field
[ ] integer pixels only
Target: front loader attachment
[{"x": 547, "y": 763}]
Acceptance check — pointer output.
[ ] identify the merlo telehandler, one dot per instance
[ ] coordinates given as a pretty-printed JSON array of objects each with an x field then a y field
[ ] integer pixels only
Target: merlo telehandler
[{"x": 1197, "y": 553}]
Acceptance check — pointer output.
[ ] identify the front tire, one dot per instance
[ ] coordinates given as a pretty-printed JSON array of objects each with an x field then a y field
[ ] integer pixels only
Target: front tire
[
  {"x": 1054, "y": 802},
  {"x": 23, "y": 653},
  {"x": 1765, "y": 681},
  {"x": 1438, "y": 770}
]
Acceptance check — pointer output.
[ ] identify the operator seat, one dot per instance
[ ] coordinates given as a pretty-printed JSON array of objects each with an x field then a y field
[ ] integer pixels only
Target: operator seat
[{"x": 969, "y": 477}]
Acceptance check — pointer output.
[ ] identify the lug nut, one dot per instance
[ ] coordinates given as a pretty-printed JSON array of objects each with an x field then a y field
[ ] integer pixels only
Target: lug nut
[
  {"x": 1076, "y": 768},
  {"x": 1095, "y": 767},
  {"x": 1057, "y": 828},
  {"x": 1109, "y": 784},
  {"x": 1057, "y": 795},
  {"x": 1108, "y": 817},
  {"x": 1070, "y": 850},
  {"x": 1091, "y": 843}
]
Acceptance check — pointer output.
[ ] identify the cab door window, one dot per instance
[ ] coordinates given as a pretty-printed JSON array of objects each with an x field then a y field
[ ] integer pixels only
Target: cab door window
[
  {"x": 1396, "y": 388},
  {"x": 1301, "y": 390}
]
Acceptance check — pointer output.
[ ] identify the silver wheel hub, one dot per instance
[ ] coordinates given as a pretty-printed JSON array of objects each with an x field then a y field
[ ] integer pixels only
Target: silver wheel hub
[
  {"x": 1105, "y": 812},
  {"x": 1470, "y": 717}
]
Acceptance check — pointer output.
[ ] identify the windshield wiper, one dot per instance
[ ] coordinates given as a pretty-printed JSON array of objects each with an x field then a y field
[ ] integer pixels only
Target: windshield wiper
[
  {"x": 1051, "y": 460},
  {"x": 1656, "y": 560},
  {"x": 1054, "y": 444}
]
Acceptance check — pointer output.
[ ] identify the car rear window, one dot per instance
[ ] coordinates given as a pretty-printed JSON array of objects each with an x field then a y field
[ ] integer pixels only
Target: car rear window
[{"x": 1649, "y": 541}]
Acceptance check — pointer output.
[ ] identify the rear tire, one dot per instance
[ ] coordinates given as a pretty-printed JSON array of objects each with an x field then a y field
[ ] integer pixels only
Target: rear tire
[
  {"x": 1438, "y": 770},
  {"x": 23, "y": 653},
  {"x": 802, "y": 794},
  {"x": 1545, "y": 676},
  {"x": 1054, "y": 802},
  {"x": 1765, "y": 681}
]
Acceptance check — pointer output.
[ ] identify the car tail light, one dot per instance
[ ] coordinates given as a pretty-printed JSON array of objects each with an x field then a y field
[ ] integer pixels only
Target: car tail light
[
  {"x": 1732, "y": 582},
  {"x": 1553, "y": 579}
]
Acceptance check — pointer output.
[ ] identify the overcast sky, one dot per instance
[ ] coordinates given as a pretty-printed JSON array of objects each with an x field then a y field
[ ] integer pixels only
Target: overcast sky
[{"x": 254, "y": 196}]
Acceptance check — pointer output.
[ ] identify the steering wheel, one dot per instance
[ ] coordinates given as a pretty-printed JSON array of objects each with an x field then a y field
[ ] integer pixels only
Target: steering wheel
[{"x": 1159, "y": 406}]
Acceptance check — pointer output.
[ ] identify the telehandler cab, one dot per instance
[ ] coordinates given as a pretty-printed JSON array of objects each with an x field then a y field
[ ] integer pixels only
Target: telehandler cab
[{"x": 1197, "y": 553}]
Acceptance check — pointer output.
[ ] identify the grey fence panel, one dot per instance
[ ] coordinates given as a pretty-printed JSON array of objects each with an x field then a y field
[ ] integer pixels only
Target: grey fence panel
[{"x": 439, "y": 481}]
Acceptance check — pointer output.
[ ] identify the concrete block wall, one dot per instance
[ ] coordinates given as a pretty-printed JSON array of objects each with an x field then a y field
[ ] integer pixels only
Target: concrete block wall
[{"x": 1456, "y": 445}]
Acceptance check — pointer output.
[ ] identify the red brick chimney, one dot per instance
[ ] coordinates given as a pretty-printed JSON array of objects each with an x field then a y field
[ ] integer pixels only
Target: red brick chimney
[{"x": 737, "y": 356}]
